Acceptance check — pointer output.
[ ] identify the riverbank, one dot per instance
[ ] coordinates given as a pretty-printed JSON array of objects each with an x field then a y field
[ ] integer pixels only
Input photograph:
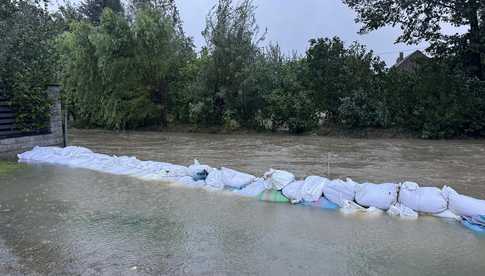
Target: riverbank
[{"x": 331, "y": 131}]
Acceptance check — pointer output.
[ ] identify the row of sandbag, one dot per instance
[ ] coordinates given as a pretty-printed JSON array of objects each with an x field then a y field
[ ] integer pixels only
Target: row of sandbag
[{"x": 405, "y": 199}]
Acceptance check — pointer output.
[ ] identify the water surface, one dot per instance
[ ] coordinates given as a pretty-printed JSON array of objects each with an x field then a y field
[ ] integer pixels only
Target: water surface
[{"x": 56, "y": 220}]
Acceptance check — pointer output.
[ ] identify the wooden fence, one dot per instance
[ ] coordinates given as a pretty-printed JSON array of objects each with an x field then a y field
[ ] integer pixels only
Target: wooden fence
[{"x": 7, "y": 120}]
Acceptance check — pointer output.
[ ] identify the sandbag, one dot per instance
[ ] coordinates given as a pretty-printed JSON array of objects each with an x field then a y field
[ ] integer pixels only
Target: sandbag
[
  {"x": 198, "y": 171},
  {"x": 279, "y": 179},
  {"x": 254, "y": 189},
  {"x": 273, "y": 196},
  {"x": 190, "y": 182},
  {"x": 400, "y": 210},
  {"x": 422, "y": 199},
  {"x": 293, "y": 191},
  {"x": 447, "y": 214},
  {"x": 381, "y": 196},
  {"x": 322, "y": 203},
  {"x": 463, "y": 205},
  {"x": 312, "y": 189},
  {"x": 214, "y": 179},
  {"x": 352, "y": 208},
  {"x": 337, "y": 191},
  {"x": 236, "y": 179}
]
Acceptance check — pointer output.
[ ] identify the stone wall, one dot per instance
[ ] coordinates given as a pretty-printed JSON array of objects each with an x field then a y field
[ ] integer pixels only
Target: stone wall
[{"x": 11, "y": 146}]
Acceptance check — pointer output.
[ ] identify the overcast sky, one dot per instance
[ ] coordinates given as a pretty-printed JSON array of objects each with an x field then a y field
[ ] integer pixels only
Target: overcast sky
[{"x": 292, "y": 23}]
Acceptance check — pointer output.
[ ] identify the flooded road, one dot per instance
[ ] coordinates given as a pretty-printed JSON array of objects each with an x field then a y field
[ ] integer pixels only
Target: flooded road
[
  {"x": 62, "y": 221},
  {"x": 460, "y": 164}
]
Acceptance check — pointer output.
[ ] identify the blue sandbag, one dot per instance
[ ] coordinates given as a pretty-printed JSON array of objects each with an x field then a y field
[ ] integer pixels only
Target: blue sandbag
[
  {"x": 322, "y": 203},
  {"x": 476, "y": 224}
]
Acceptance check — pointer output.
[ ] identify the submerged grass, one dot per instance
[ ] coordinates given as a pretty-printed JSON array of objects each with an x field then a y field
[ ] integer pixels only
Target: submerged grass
[{"x": 7, "y": 167}]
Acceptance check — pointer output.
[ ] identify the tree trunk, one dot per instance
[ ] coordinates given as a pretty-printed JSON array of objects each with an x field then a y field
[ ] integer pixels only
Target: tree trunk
[
  {"x": 163, "y": 90},
  {"x": 475, "y": 42}
]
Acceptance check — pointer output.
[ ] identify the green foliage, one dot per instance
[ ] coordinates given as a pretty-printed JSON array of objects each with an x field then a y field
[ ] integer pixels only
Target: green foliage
[
  {"x": 224, "y": 81},
  {"x": 424, "y": 20},
  {"x": 92, "y": 10},
  {"x": 117, "y": 75},
  {"x": 336, "y": 72},
  {"x": 27, "y": 60}
]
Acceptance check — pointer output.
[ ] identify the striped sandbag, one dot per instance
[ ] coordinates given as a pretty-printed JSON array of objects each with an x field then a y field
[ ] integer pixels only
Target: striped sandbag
[{"x": 273, "y": 196}]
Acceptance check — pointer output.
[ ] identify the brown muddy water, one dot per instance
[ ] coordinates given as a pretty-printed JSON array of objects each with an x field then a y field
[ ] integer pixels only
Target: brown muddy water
[{"x": 63, "y": 221}]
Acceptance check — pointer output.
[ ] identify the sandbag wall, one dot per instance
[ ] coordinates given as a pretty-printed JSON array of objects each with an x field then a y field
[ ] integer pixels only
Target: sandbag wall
[{"x": 406, "y": 200}]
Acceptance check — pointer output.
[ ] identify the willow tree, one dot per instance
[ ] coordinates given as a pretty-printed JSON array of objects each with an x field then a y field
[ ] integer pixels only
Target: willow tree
[
  {"x": 423, "y": 20},
  {"x": 232, "y": 38}
]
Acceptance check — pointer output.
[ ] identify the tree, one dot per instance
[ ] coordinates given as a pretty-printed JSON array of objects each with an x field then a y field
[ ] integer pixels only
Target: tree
[
  {"x": 336, "y": 72},
  {"x": 27, "y": 61},
  {"x": 232, "y": 38},
  {"x": 93, "y": 9},
  {"x": 118, "y": 74},
  {"x": 424, "y": 19}
]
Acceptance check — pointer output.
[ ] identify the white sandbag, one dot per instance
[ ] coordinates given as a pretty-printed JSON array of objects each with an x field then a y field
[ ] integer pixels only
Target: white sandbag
[
  {"x": 279, "y": 179},
  {"x": 293, "y": 191},
  {"x": 463, "y": 205},
  {"x": 254, "y": 189},
  {"x": 236, "y": 179},
  {"x": 447, "y": 215},
  {"x": 352, "y": 208},
  {"x": 402, "y": 211},
  {"x": 214, "y": 179},
  {"x": 337, "y": 191},
  {"x": 381, "y": 196},
  {"x": 190, "y": 182},
  {"x": 197, "y": 169},
  {"x": 422, "y": 199},
  {"x": 312, "y": 189}
]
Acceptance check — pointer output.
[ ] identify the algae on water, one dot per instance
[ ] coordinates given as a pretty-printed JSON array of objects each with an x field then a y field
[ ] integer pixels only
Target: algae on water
[{"x": 7, "y": 167}]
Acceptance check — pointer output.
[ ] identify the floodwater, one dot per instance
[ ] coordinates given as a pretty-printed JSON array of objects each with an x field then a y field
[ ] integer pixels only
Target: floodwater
[{"x": 63, "y": 221}]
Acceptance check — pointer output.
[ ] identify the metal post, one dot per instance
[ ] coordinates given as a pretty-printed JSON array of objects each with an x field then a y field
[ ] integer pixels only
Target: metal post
[{"x": 65, "y": 124}]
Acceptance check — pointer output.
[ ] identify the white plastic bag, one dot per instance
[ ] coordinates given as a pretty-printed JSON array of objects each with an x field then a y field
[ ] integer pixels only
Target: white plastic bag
[
  {"x": 381, "y": 196},
  {"x": 400, "y": 210},
  {"x": 279, "y": 179},
  {"x": 352, "y": 208},
  {"x": 463, "y": 205},
  {"x": 447, "y": 215},
  {"x": 293, "y": 191},
  {"x": 422, "y": 199},
  {"x": 337, "y": 191},
  {"x": 312, "y": 189},
  {"x": 236, "y": 179},
  {"x": 253, "y": 189},
  {"x": 214, "y": 179}
]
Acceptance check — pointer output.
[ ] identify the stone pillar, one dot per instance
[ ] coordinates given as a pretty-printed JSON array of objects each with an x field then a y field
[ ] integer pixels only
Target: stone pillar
[{"x": 54, "y": 94}]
